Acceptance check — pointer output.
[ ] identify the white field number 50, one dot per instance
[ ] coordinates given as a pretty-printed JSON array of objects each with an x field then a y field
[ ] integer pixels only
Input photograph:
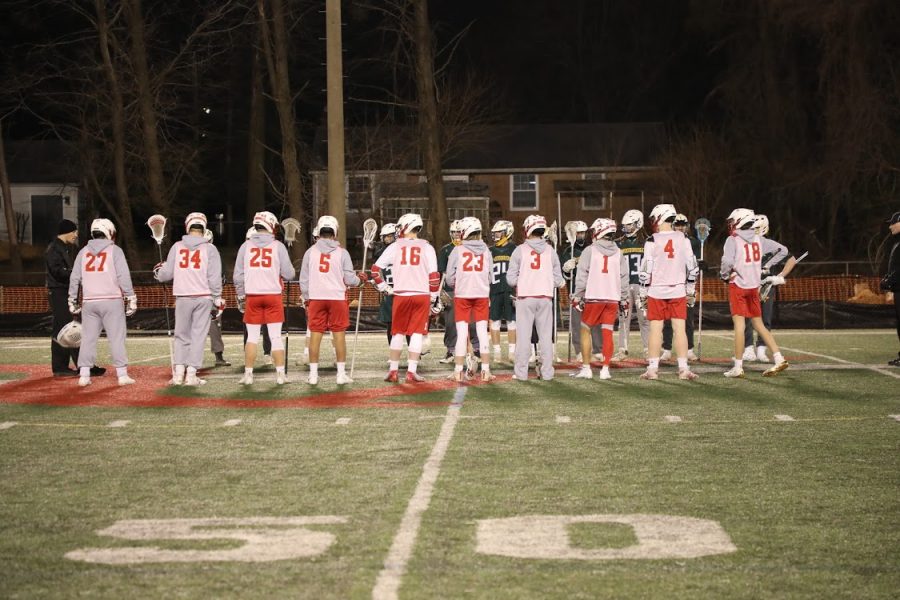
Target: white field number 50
[{"x": 264, "y": 539}]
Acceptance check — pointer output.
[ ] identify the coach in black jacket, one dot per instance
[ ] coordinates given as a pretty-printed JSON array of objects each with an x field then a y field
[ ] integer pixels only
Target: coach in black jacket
[
  {"x": 60, "y": 255},
  {"x": 891, "y": 280}
]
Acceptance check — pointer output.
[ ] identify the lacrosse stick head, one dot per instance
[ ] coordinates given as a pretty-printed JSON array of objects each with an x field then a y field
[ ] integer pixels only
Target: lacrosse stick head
[
  {"x": 290, "y": 227},
  {"x": 571, "y": 230},
  {"x": 157, "y": 225},
  {"x": 701, "y": 226},
  {"x": 370, "y": 230},
  {"x": 553, "y": 234}
]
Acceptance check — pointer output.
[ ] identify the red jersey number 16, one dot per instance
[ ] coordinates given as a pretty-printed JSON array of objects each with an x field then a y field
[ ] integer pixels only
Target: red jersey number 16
[{"x": 414, "y": 255}]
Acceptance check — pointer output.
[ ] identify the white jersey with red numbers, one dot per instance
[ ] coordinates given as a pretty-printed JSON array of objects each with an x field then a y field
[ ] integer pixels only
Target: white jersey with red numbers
[
  {"x": 535, "y": 272},
  {"x": 326, "y": 275},
  {"x": 747, "y": 261},
  {"x": 472, "y": 271},
  {"x": 190, "y": 273},
  {"x": 262, "y": 269},
  {"x": 99, "y": 280},
  {"x": 604, "y": 280},
  {"x": 669, "y": 256},
  {"x": 413, "y": 263}
]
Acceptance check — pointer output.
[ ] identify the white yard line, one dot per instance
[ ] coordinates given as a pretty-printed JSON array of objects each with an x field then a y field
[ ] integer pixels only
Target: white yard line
[
  {"x": 8, "y": 424},
  {"x": 883, "y": 371},
  {"x": 784, "y": 418},
  {"x": 231, "y": 423},
  {"x": 894, "y": 417},
  {"x": 388, "y": 582},
  {"x": 115, "y": 424},
  {"x": 134, "y": 362},
  {"x": 563, "y": 419},
  {"x": 672, "y": 419},
  {"x": 343, "y": 421}
]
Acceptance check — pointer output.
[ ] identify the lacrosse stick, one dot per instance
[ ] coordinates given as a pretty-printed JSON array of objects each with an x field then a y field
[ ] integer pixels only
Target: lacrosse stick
[
  {"x": 571, "y": 234},
  {"x": 766, "y": 288},
  {"x": 290, "y": 227},
  {"x": 370, "y": 228},
  {"x": 157, "y": 225},
  {"x": 552, "y": 236},
  {"x": 701, "y": 226}
]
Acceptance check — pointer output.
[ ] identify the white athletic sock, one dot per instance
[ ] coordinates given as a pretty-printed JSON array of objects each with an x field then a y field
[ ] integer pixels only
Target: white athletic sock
[
  {"x": 313, "y": 369},
  {"x": 512, "y": 350},
  {"x": 393, "y": 365},
  {"x": 120, "y": 371},
  {"x": 248, "y": 370},
  {"x": 341, "y": 368},
  {"x": 179, "y": 371},
  {"x": 85, "y": 372},
  {"x": 777, "y": 357},
  {"x": 653, "y": 363},
  {"x": 190, "y": 370},
  {"x": 486, "y": 367},
  {"x": 682, "y": 364},
  {"x": 738, "y": 363},
  {"x": 412, "y": 366},
  {"x": 458, "y": 369},
  {"x": 279, "y": 369}
]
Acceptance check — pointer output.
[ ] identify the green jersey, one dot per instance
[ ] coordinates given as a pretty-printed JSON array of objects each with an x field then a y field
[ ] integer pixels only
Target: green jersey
[
  {"x": 501, "y": 255},
  {"x": 387, "y": 302},
  {"x": 443, "y": 258},
  {"x": 633, "y": 250}
]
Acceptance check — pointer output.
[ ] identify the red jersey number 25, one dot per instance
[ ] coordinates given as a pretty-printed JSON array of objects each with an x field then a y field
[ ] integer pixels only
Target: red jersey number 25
[{"x": 260, "y": 257}]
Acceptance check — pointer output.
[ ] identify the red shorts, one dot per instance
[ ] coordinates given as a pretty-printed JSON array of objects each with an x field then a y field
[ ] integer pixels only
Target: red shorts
[
  {"x": 744, "y": 303},
  {"x": 478, "y": 307},
  {"x": 663, "y": 310},
  {"x": 328, "y": 315},
  {"x": 264, "y": 308},
  {"x": 599, "y": 313},
  {"x": 410, "y": 314}
]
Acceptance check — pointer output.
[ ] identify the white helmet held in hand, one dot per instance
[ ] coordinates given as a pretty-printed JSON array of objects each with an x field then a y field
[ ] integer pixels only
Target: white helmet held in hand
[
  {"x": 534, "y": 222},
  {"x": 195, "y": 218},
  {"x": 761, "y": 225},
  {"x": 662, "y": 213},
  {"x": 250, "y": 232},
  {"x": 104, "y": 226},
  {"x": 408, "y": 222},
  {"x": 70, "y": 335},
  {"x": 503, "y": 231},
  {"x": 632, "y": 222},
  {"x": 327, "y": 222},
  {"x": 601, "y": 228},
  {"x": 208, "y": 235},
  {"x": 266, "y": 220},
  {"x": 469, "y": 225}
]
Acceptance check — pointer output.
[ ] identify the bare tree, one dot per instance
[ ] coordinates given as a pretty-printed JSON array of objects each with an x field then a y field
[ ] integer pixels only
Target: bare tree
[{"x": 15, "y": 251}]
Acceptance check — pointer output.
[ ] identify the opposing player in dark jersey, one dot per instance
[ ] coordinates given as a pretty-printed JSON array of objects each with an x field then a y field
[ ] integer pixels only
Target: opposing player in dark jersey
[
  {"x": 388, "y": 236},
  {"x": 502, "y": 307},
  {"x": 632, "y": 247}
]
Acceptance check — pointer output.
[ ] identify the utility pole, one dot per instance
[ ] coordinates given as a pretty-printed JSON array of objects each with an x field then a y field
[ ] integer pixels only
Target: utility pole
[{"x": 336, "y": 205}]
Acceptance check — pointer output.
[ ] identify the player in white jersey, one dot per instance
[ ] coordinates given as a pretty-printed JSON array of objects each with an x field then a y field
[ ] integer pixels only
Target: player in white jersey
[
  {"x": 413, "y": 265},
  {"x": 102, "y": 273},
  {"x": 535, "y": 273},
  {"x": 262, "y": 264},
  {"x": 601, "y": 292},
  {"x": 469, "y": 272},
  {"x": 742, "y": 270},
  {"x": 325, "y": 273},
  {"x": 668, "y": 272},
  {"x": 195, "y": 268}
]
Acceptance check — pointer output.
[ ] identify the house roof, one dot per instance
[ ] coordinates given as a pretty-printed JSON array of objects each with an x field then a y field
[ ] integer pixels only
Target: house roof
[
  {"x": 510, "y": 147},
  {"x": 41, "y": 161}
]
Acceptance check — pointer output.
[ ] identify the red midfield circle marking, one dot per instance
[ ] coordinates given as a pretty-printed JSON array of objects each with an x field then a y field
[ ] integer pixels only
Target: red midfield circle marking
[{"x": 39, "y": 387}]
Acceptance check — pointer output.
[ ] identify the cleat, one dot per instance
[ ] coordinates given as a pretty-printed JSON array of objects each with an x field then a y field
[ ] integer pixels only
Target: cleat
[
  {"x": 125, "y": 380},
  {"x": 413, "y": 377},
  {"x": 749, "y": 354},
  {"x": 599, "y": 356},
  {"x": 735, "y": 373},
  {"x": 448, "y": 358},
  {"x": 487, "y": 376},
  {"x": 761, "y": 355},
  {"x": 247, "y": 379},
  {"x": 650, "y": 374},
  {"x": 84, "y": 381},
  {"x": 280, "y": 378},
  {"x": 533, "y": 358},
  {"x": 314, "y": 379},
  {"x": 692, "y": 357},
  {"x": 471, "y": 365},
  {"x": 778, "y": 368},
  {"x": 687, "y": 375},
  {"x": 221, "y": 362},
  {"x": 176, "y": 380},
  {"x": 193, "y": 380},
  {"x": 344, "y": 379},
  {"x": 97, "y": 371},
  {"x": 604, "y": 373},
  {"x": 392, "y": 377},
  {"x": 457, "y": 376},
  {"x": 895, "y": 362},
  {"x": 621, "y": 355},
  {"x": 584, "y": 373},
  {"x": 666, "y": 355}
]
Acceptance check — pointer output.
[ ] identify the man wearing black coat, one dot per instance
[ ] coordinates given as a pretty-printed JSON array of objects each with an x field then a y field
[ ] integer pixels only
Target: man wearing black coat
[
  {"x": 59, "y": 257},
  {"x": 891, "y": 281}
]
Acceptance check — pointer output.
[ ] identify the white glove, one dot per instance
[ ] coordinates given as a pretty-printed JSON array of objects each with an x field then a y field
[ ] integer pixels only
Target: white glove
[
  {"x": 691, "y": 292},
  {"x": 302, "y": 302},
  {"x": 219, "y": 305},
  {"x": 644, "y": 278},
  {"x": 156, "y": 269},
  {"x": 774, "y": 280},
  {"x": 577, "y": 304},
  {"x": 74, "y": 307},
  {"x": 623, "y": 308},
  {"x": 242, "y": 303},
  {"x": 570, "y": 265},
  {"x": 384, "y": 288},
  {"x": 131, "y": 306},
  {"x": 642, "y": 298}
]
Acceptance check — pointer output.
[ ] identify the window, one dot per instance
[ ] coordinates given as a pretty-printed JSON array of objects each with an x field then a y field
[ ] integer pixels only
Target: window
[
  {"x": 359, "y": 192},
  {"x": 523, "y": 192},
  {"x": 595, "y": 200}
]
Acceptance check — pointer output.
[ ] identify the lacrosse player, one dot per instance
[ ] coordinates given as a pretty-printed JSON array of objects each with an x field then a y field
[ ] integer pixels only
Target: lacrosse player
[
  {"x": 742, "y": 270},
  {"x": 502, "y": 307},
  {"x": 443, "y": 256},
  {"x": 325, "y": 273},
  {"x": 216, "y": 343},
  {"x": 684, "y": 226},
  {"x": 413, "y": 264},
  {"x": 195, "y": 268},
  {"x": 773, "y": 254},
  {"x": 569, "y": 257},
  {"x": 388, "y": 235},
  {"x": 469, "y": 272},
  {"x": 601, "y": 284},
  {"x": 632, "y": 246},
  {"x": 102, "y": 274},
  {"x": 535, "y": 273},
  {"x": 262, "y": 263},
  {"x": 667, "y": 275}
]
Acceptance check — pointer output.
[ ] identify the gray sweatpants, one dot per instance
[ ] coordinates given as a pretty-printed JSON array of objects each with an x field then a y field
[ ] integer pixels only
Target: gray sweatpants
[
  {"x": 109, "y": 316},
  {"x": 537, "y": 313},
  {"x": 216, "y": 343},
  {"x": 192, "y": 317},
  {"x": 634, "y": 303}
]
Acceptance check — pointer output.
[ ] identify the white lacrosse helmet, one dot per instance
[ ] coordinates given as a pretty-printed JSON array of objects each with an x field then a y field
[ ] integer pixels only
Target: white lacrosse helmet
[
  {"x": 456, "y": 228},
  {"x": 662, "y": 213},
  {"x": 761, "y": 224},
  {"x": 208, "y": 235},
  {"x": 533, "y": 222},
  {"x": 739, "y": 215},
  {"x": 327, "y": 222},
  {"x": 469, "y": 225},
  {"x": 601, "y": 228},
  {"x": 250, "y": 232},
  {"x": 195, "y": 218},
  {"x": 580, "y": 227},
  {"x": 104, "y": 226},
  {"x": 503, "y": 230},
  {"x": 388, "y": 229},
  {"x": 267, "y": 220},
  {"x": 70, "y": 335},
  {"x": 632, "y": 221},
  {"x": 408, "y": 222},
  {"x": 681, "y": 220}
]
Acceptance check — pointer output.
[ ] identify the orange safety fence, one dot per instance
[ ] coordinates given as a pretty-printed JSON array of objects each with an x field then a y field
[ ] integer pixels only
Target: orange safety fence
[{"x": 834, "y": 288}]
